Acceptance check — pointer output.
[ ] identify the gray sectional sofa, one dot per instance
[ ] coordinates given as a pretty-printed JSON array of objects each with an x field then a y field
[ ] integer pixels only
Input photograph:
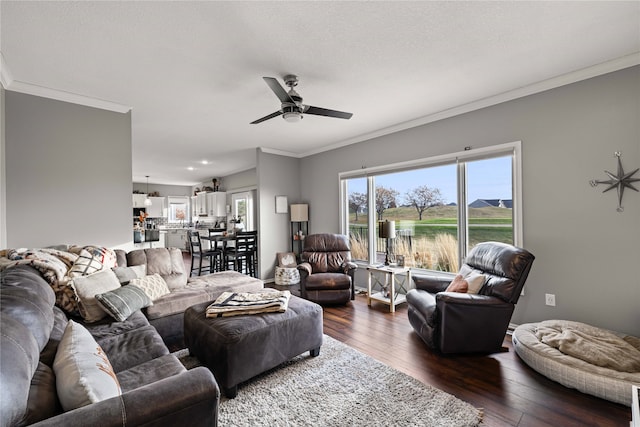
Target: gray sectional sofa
[
  {"x": 38, "y": 339},
  {"x": 167, "y": 313}
]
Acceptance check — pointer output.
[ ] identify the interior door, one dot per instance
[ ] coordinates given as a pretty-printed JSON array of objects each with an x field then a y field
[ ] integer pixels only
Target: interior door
[{"x": 242, "y": 208}]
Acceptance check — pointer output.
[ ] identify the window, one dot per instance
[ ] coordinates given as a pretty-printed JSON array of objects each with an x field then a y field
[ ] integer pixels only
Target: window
[
  {"x": 424, "y": 199},
  {"x": 178, "y": 210}
]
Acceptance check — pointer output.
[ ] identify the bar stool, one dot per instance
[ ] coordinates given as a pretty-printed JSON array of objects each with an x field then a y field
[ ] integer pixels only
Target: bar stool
[{"x": 214, "y": 256}]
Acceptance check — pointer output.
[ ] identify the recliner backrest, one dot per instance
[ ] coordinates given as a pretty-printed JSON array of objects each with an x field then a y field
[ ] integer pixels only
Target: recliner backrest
[
  {"x": 326, "y": 252},
  {"x": 505, "y": 266}
]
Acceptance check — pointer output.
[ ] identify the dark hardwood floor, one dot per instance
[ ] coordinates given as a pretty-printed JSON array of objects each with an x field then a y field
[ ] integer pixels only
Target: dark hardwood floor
[{"x": 511, "y": 393}]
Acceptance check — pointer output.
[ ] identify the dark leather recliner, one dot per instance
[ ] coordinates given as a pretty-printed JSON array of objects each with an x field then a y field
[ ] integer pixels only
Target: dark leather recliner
[
  {"x": 453, "y": 322},
  {"x": 326, "y": 271}
]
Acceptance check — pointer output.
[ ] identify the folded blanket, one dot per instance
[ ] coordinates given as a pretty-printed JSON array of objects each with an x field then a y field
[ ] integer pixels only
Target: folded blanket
[
  {"x": 239, "y": 303},
  {"x": 591, "y": 344}
]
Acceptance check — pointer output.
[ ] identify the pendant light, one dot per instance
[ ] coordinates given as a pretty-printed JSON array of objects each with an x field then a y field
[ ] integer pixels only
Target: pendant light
[{"x": 147, "y": 200}]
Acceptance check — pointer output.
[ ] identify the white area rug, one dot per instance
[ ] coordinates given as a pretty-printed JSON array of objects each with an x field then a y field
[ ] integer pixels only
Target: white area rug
[{"x": 342, "y": 387}]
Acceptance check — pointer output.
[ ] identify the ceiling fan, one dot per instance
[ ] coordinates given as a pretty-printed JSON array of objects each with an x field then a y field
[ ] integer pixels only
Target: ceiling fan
[{"x": 292, "y": 107}]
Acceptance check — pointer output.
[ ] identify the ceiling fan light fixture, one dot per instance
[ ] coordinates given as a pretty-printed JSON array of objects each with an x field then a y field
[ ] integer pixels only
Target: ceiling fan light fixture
[{"x": 292, "y": 116}]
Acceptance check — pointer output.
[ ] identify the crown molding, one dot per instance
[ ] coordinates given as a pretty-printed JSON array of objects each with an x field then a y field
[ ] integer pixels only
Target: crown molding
[
  {"x": 282, "y": 152},
  {"x": 552, "y": 83},
  {"x": 5, "y": 74},
  {"x": 30, "y": 89},
  {"x": 73, "y": 98}
]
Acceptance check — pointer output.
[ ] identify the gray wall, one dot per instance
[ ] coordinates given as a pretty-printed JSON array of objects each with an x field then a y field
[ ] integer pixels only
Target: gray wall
[
  {"x": 586, "y": 252},
  {"x": 3, "y": 180},
  {"x": 68, "y": 173},
  {"x": 277, "y": 176},
  {"x": 163, "y": 189},
  {"x": 240, "y": 181}
]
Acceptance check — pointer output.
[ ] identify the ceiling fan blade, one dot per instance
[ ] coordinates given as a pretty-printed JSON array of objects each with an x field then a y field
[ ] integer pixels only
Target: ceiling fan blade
[
  {"x": 282, "y": 94},
  {"x": 310, "y": 109},
  {"x": 270, "y": 116}
]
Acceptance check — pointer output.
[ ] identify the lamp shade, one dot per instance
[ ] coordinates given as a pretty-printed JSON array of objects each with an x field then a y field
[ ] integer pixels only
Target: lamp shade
[
  {"x": 387, "y": 229},
  {"x": 299, "y": 212}
]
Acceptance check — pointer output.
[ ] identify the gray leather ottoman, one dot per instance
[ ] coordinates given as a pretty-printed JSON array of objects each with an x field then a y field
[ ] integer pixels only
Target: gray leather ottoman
[{"x": 238, "y": 348}]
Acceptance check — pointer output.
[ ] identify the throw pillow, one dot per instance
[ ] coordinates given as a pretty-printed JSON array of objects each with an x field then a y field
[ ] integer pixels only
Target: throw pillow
[
  {"x": 126, "y": 274},
  {"x": 458, "y": 284},
  {"x": 106, "y": 256},
  {"x": 86, "y": 264},
  {"x": 83, "y": 372},
  {"x": 154, "y": 286},
  {"x": 87, "y": 287},
  {"x": 124, "y": 301},
  {"x": 475, "y": 281}
]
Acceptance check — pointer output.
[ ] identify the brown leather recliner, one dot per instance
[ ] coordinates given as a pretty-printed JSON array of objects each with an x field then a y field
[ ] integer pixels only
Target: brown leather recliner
[
  {"x": 326, "y": 271},
  {"x": 453, "y": 322}
]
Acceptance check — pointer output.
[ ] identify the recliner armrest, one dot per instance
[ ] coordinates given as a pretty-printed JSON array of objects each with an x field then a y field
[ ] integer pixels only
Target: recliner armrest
[
  {"x": 348, "y": 267},
  {"x": 432, "y": 284},
  {"x": 305, "y": 267}
]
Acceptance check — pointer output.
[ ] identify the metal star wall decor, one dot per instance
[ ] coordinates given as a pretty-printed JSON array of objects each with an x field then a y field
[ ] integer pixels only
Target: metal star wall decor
[{"x": 620, "y": 181}]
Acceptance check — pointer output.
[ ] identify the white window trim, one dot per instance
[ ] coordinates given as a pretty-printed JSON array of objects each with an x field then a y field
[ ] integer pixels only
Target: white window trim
[{"x": 468, "y": 154}]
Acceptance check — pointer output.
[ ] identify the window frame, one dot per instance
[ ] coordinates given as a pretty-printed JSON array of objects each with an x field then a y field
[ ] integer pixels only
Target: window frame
[{"x": 513, "y": 149}]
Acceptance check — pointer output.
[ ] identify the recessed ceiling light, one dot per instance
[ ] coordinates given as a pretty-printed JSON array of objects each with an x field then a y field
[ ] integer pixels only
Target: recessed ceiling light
[
  {"x": 205, "y": 162},
  {"x": 191, "y": 168}
]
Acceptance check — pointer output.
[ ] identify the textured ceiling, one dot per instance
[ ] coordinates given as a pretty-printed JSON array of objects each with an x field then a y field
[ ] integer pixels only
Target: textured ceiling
[{"x": 191, "y": 72}]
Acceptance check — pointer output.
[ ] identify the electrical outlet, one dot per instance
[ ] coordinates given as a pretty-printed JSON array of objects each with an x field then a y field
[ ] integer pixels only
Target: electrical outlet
[{"x": 550, "y": 299}]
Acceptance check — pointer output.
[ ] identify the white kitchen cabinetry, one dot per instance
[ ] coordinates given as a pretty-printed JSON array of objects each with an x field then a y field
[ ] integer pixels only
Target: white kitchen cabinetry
[
  {"x": 194, "y": 206},
  {"x": 177, "y": 239},
  {"x": 217, "y": 203},
  {"x": 157, "y": 208},
  {"x": 201, "y": 203},
  {"x": 138, "y": 200}
]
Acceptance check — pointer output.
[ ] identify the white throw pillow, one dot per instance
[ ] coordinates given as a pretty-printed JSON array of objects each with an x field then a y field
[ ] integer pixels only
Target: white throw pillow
[
  {"x": 83, "y": 372},
  {"x": 87, "y": 287},
  {"x": 153, "y": 285},
  {"x": 475, "y": 281}
]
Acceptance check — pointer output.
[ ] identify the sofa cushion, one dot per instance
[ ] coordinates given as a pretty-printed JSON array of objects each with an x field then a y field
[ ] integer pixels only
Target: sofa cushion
[
  {"x": 108, "y": 327},
  {"x": 83, "y": 372},
  {"x": 131, "y": 348},
  {"x": 124, "y": 301},
  {"x": 43, "y": 400},
  {"x": 48, "y": 353},
  {"x": 167, "y": 262},
  {"x": 202, "y": 289},
  {"x": 87, "y": 287},
  {"x": 154, "y": 286},
  {"x": 126, "y": 274},
  {"x": 18, "y": 362},
  {"x": 27, "y": 297},
  {"x": 150, "y": 372}
]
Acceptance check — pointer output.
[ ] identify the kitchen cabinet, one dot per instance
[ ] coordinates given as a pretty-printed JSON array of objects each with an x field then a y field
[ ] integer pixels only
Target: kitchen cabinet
[
  {"x": 201, "y": 203},
  {"x": 177, "y": 238},
  {"x": 157, "y": 208},
  {"x": 217, "y": 203},
  {"x": 138, "y": 200},
  {"x": 194, "y": 207}
]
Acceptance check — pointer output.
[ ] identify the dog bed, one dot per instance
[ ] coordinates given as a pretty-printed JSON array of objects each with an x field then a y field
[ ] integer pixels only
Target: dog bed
[{"x": 595, "y": 361}]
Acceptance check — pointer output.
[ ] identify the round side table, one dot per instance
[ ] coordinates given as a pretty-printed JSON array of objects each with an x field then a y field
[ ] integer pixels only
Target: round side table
[{"x": 287, "y": 276}]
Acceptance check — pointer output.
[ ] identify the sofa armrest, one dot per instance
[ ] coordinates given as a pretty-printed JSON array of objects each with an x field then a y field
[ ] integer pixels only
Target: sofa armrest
[
  {"x": 432, "y": 283},
  {"x": 192, "y": 395}
]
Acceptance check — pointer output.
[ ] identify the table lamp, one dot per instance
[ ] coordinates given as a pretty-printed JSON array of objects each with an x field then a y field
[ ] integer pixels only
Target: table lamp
[{"x": 387, "y": 230}]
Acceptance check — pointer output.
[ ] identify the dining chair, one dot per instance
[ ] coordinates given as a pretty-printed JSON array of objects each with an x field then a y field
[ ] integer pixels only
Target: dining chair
[
  {"x": 243, "y": 256},
  {"x": 197, "y": 252}
]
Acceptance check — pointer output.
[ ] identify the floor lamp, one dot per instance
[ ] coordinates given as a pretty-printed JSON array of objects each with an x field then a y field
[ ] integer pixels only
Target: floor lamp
[{"x": 387, "y": 230}]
